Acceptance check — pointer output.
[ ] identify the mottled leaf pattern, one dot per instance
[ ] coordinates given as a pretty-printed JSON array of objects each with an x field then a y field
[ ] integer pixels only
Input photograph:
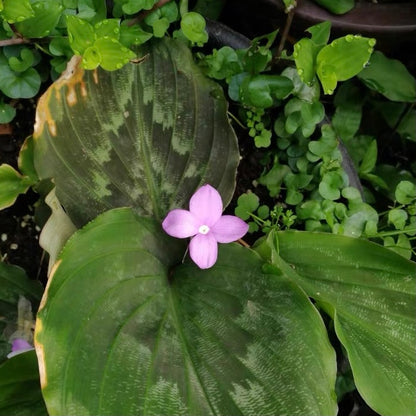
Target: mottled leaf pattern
[
  {"x": 146, "y": 136},
  {"x": 124, "y": 328},
  {"x": 371, "y": 293}
]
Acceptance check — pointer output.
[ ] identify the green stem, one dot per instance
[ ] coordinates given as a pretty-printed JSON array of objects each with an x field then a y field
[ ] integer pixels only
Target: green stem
[
  {"x": 183, "y": 7},
  {"x": 231, "y": 115},
  {"x": 395, "y": 232}
]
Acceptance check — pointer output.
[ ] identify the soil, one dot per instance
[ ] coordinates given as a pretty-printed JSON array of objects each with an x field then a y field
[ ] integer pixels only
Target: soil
[{"x": 18, "y": 232}]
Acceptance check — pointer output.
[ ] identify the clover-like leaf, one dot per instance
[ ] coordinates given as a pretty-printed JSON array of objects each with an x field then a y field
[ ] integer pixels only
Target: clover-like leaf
[
  {"x": 262, "y": 90},
  {"x": 246, "y": 204},
  {"x": 405, "y": 192},
  {"x": 149, "y": 335},
  {"x": 193, "y": 27},
  {"x": 146, "y": 136},
  {"x": 7, "y": 112},
  {"x": 25, "y": 84}
]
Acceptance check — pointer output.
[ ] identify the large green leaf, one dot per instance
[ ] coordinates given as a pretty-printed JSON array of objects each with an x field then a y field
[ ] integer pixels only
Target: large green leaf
[
  {"x": 125, "y": 328},
  {"x": 20, "y": 392},
  {"x": 145, "y": 136},
  {"x": 390, "y": 78},
  {"x": 370, "y": 292}
]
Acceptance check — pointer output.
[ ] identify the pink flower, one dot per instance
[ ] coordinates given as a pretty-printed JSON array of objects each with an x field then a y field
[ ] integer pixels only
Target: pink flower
[
  {"x": 206, "y": 225},
  {"x": 19, "y": 345}
]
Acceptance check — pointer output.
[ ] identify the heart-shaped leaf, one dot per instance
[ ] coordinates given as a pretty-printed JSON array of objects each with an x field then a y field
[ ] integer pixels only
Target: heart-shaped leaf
[
  {"x": 145, "y": 136},
  {"x": 370, "y": 292},
  {"x": 123, "y": 330}
]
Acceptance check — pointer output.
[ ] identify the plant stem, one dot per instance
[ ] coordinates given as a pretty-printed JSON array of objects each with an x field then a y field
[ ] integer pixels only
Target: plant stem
[
  {"x": 285, "y": 33},
  {"x": 396, "y": 232},
  {"x": 13, "y": 41}
]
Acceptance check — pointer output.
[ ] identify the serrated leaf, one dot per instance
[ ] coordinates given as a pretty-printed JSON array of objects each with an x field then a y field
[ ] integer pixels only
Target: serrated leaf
[
  {"x": 184, "y": 340},
  {"x": 342, "y": 59},
  {"x": 390, "y": 78},
  {"x": 370, "y": 293},
  {"x": 149, "y": 142}
]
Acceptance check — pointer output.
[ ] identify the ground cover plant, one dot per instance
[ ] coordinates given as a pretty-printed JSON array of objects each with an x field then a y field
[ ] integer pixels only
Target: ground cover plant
[{"x": 229, "y": 229}]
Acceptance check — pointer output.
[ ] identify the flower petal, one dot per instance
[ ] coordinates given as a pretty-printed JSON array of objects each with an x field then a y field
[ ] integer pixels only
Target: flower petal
[
  {"x": 206, "y": 205},
  {"x": 203, "y": 250},
  {"x": 20, "y": 344},
  {"x": 229, "y": 228},
  {"x": 180, "y": 223}
]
